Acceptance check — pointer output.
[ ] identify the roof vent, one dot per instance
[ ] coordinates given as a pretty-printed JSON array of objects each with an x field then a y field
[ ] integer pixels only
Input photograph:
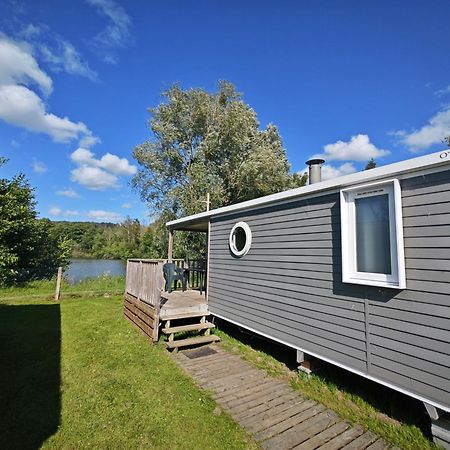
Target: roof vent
[{"x": 315, "y": 170}]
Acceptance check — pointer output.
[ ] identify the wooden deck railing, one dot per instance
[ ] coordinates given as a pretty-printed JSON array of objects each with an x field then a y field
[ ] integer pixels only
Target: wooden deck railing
[{"x": 143, "y": 286}]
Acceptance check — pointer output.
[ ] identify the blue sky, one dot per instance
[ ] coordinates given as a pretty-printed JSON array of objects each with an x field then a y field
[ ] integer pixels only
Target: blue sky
[{"x": 348, "y": 80}]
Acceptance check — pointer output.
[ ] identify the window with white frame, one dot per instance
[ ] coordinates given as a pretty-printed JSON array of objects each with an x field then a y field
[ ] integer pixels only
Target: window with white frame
[
  {"x": 240, "y": 239},
  {"x": 372, "y": 235}
]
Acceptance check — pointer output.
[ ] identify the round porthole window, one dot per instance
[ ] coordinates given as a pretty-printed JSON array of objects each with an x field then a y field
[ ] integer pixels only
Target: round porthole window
[{"x": 240, "y": 239}]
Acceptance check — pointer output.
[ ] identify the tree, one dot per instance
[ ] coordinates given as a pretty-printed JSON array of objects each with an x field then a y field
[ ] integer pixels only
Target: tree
[
  {"x": 208, "y": 142},
  {"x": 29, "y": 247},
  {"x": 371, "y": 164},
  {"x": 446, "y": 141}
]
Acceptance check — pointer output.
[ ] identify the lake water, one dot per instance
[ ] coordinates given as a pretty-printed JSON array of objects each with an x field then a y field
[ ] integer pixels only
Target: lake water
[{"x": 92, "y": 268}]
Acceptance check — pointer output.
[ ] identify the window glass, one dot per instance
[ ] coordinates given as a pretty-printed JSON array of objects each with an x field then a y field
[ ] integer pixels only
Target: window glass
[
  {"x": 373, "y": 246},
  {"x": 240, "y": 238}
]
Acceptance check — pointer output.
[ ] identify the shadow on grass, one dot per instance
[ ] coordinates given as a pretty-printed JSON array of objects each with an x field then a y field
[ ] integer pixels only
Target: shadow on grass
[
  {"x": 30, "y": 347},
  {"x": 394, "y": 404}
]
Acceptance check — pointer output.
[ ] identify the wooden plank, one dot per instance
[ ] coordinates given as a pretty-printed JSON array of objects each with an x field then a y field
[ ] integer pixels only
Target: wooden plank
[
  {"x": 380, "y": 444},
  {"x": 244, "y": 390},
  {"x": 200, "y": 365},
  {"x": 141, "y": 305},
  {"x": 171, "y": 316},
  {"x": 140, "y": 323},
  {"x": 137, "y": 312},
  {"x": 210, "y": 368},
  {"x": 283, "y": 416},
  {"x": 362, "y": 441},
  {"x": 143, "y": 320},
  {"x": 192, "y": 341},
  {"x": 218, "y": 366},
  {"x": 288, "y": 423},
  {"x": 343, "y": 439},
  {"x": 190, "y": 327},
  {"x": 255, "y": 399},
  {"x": 323, "y": 437},
  {"x": 58, "y": 283},
  {"x": 229, "y": 377},
  {"x": 301, "y": 432},
  {"x": 251, "y": 419},
  {"x": 143, "y": 329},
  {"x": 244, "y": 405},
  {"x": 224, "y": 391}
]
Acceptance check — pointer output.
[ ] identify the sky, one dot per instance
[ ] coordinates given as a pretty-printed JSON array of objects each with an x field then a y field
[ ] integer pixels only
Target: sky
[{"x": 347, "y": 80}]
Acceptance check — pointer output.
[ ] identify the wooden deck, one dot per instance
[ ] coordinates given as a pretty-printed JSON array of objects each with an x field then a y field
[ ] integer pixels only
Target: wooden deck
[
  {"x": 277, "y": 416},
  {"x": 179, "y": 303}
]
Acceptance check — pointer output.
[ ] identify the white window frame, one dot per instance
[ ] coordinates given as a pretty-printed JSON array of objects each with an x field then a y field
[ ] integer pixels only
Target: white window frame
[
  {"x": 248, "y": 240},
  {"x": 395, "y": 280}
]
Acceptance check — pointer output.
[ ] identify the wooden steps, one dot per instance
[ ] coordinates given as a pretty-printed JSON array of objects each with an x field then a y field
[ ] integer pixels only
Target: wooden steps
[
  {"x": 192, "y": 341},
  {"x": 200, "y": 326},
  {"x": 187, "y": 315},
  {"x": 191, "y": 327}
]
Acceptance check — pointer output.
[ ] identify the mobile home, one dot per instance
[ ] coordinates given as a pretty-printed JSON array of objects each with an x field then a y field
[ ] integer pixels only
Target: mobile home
[{"x": 353, "y": 270}]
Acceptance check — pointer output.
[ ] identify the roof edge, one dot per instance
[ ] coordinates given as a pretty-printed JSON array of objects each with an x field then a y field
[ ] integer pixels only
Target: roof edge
[{"x": 413, "y": 165}]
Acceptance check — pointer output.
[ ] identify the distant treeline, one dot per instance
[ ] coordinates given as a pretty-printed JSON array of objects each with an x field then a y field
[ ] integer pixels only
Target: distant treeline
[
  {"x": 129, "y": 239},
  {"x": 102, "y": 240}
]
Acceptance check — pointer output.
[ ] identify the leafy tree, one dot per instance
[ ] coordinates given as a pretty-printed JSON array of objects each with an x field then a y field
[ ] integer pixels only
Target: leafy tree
[
  {"x": 29, "y": 247},
  {"x": 371, "y": 164},
  {"x": 208, "y": 142}
]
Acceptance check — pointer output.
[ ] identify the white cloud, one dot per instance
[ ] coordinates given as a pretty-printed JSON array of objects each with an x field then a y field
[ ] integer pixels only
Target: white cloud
[
  {"x": 109, "y": 162},
  {"x": 89, "y": 140},
  {"x": 18, "y": 66},
  {"x": 67, "y": 193},
  {"x": 126, "y": 205},
  {"x": 67, "y": 58},
  {"x": 99, "y": 174},
  {"x": 437, "y": 128},
  {"x": 116, "y": 34},
  {"x": 105, "y": 216},
  {"x": 58, "y": 212},
  {"x": 114, "y": 164},
  {"x": 359, "y": 148},
  {"x": 94, "y": 178},
  {"x": 22, "y": 107},
  {"x": 39, "y": 167},
  {"x": 329, "y": 171}
]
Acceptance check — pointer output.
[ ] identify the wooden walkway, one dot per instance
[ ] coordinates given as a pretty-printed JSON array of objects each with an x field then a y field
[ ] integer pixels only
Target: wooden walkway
[{"x": 277, "y": 416}]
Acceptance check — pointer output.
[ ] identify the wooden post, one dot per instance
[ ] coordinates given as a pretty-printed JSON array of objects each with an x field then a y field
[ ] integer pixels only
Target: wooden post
[
  {"x": 58, "y": 284},
  {"x": 170, "y": 250}
]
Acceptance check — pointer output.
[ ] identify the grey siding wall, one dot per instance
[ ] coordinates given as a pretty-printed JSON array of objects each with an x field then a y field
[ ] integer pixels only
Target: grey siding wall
[{"x": 289, "y": 287}]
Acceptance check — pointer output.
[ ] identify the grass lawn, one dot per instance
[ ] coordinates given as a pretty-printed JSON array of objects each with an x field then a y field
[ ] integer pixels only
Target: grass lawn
[
  {"x": 75, "y": 374},
  {"x": 45, "y": 289}
]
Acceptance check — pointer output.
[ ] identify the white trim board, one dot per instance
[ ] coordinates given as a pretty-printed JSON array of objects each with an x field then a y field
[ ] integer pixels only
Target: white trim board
[
  {"x": 412, "y": 166},
  {"x": 343, "y": 366}
]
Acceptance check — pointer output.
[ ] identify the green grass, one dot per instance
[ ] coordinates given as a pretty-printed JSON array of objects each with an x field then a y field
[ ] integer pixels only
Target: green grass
[
  {"x": 45, "y": 289},
  {"x": 352, "y": 397},
  {"x": 75, "y": 374}
]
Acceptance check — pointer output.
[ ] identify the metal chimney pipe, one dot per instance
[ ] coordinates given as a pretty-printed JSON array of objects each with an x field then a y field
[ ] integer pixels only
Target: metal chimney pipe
[{"x": 315, "y": 170}]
